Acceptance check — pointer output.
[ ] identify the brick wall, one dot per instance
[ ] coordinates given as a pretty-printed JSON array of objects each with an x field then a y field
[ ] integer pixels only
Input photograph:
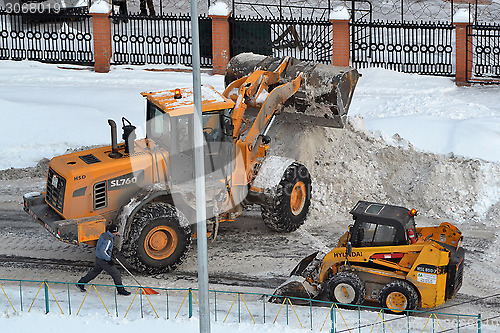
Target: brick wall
[
  {"x": 463, "y": 62},
  {"x": 341, "y": 50},
  {"x": 102, "y": 41},
  {"x": 220, "y": 43}
]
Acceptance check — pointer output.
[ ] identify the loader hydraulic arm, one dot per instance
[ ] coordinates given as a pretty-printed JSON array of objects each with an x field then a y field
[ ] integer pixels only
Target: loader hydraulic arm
[{"x": 249, "y": 90}]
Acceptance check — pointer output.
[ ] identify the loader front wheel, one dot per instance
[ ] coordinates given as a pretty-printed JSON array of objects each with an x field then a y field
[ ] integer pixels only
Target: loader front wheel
[
  {"x": 288, "y": 209},
  {"x": 346, "y": 288},
  {"x": 398, "y": 296},
  {"x": 159, "y": 239}
]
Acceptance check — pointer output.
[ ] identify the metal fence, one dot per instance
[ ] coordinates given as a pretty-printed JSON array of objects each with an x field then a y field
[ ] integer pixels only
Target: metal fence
[
  {"x": 163, "y": 39},
  {"x": 226, "y": 307},
  {"x": 303, "y": 39},
  {"x": 483, "y": 52},
  {"x": 423, "y": 48},
  {"x": 53, "y": 38}
]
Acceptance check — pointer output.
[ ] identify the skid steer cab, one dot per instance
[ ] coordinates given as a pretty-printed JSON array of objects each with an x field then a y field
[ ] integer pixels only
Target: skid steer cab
[
  {"x": 384, "y": 258},
  {"x": 147, "y": 188}
]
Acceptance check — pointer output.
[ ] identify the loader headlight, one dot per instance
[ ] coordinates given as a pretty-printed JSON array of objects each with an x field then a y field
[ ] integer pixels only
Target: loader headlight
[{"x": 413, "y": 212}]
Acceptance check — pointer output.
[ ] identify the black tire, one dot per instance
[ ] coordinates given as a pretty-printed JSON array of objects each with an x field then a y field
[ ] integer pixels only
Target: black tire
[
  {"x": 398, "y": 296},
  {"x": 346, "y": 288},
  {"x": 279, "y": 214},
  {"x": 159, "y": 239}
]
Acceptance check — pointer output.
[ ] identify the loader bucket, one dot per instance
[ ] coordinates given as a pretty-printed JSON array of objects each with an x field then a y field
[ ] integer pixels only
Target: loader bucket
[
  {"x": 324, "y": 95},
  {"x": 297, "y": 285}
]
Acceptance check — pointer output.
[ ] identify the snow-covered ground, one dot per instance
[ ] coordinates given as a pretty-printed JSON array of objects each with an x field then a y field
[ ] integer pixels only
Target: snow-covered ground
[
  {"x": 430, "y": 112},
  {"x": 99, "y": 312},
  {"x": 46, "y": 109}
]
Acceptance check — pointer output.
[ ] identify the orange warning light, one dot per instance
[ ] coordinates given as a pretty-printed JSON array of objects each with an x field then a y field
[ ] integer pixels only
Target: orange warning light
[{"x": 177, "y": 94}]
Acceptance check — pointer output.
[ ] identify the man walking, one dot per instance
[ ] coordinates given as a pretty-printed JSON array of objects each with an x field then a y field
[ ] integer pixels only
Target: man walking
[{"x": 103, "y": 261}]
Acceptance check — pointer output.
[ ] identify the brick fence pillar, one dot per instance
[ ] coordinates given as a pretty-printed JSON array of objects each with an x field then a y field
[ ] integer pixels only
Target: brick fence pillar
[
  {"x": 463, "y": 61},
  {"x": 220, "y": 37},
  {"x": 101, "y": 22},
  {"x": 339, "y": 18}
]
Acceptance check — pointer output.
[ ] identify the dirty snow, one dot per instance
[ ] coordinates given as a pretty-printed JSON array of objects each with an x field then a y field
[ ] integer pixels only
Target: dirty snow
[{"x": 416, "y": 141}]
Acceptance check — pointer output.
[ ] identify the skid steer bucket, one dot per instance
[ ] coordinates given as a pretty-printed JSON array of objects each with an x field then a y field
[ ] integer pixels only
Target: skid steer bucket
[
  {"x": 298, "y": 284},
  {"x": 324, "y": 95}
]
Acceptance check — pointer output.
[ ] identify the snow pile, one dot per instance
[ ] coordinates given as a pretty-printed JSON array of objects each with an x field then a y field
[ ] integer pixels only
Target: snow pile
[
  {"x": 219, "y": 9},
  {"x": 397, "y": 122},
  {"x": 461, "y": 16},
  {"x": 100, "y": 7},
  {"x": 339, "y": 13},
  {"x": 430, "y": 112}
]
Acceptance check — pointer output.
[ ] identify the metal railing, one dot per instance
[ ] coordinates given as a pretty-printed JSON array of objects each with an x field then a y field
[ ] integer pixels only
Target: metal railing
[
  {"x": 52, "y": 38},
  {"x": 300, "y": 38},
  {"x": 423, "y": 48},
  {"x": 227, "y": 307},
  {"x": 162, "y": 39},
  {"x": 483, "y": 52}
]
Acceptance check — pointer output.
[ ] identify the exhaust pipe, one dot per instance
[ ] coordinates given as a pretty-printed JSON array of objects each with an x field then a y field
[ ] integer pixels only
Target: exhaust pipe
[
  {"x": 128, "y": 135},
  {"x": 114, "y": 141}
]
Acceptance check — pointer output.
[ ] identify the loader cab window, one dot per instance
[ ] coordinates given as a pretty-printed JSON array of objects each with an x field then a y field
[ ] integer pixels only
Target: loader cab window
[
  {"x": 159, "y": 126},
  {"x": 217, "y": 133},
  {"x": 217, "y": 126},
  {"x": 372, "y": 234},
  {"x": 183, "y": 126}
]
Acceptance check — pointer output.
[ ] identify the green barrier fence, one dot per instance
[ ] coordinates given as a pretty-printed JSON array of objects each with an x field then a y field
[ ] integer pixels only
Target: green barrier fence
[{"x": 226, "y": 306}]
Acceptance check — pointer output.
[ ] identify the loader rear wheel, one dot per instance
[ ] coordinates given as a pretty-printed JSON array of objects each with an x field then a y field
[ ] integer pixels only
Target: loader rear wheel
[
  {"x": 288, "y": 211},
  {"x": 398, "y": 296},
  {"x": 159, "y": 239},
  {"x": 346, "y": 288}
]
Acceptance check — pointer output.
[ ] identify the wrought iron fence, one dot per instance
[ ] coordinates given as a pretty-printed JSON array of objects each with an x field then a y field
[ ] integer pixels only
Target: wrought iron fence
[
  {"x": 52, "y": 38},
  {"x": 303, "y": 39},
  {"x": 163, "y": 39},
  {"x": 483, "y": 52},
  {"x": 423, "y": 48},
  {"x": 226, "y": 307}
]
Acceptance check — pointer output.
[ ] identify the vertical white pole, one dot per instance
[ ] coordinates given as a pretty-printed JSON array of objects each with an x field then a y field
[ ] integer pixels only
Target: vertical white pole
[{"x": 199, "y": 167}]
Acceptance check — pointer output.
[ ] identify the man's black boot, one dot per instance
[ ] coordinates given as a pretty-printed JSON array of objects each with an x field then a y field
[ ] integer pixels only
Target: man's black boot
[
  {"x": 123, "y": 291},
  {"x": 81, "y": 287}
]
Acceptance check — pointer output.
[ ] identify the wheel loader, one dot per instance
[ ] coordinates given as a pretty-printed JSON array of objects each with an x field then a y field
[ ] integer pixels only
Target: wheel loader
[
  {"x": 146, "y": 186},
  {"x": 384, "y": 258}
]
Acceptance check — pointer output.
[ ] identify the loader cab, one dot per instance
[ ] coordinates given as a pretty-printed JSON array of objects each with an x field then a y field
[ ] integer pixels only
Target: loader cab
[
  {"x": 170, "y": 124},
  {"x": 380, "y": 225}
]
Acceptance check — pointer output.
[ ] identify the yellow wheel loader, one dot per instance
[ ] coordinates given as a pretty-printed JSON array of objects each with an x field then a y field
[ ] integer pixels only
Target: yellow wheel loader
[
  {"x": 146, "y": 186},
  {"x": 384, "y": 258}
]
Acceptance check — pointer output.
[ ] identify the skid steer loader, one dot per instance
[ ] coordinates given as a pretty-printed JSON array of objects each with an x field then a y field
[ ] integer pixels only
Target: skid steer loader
[
  {"x": 146, "y": 186},
  {"x": 384, "y": 258}
]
